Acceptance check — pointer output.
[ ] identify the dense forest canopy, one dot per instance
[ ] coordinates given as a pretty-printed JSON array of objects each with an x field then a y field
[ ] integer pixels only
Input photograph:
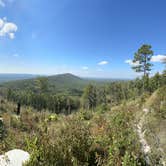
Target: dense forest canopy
[{"x": 91, "y": 96}]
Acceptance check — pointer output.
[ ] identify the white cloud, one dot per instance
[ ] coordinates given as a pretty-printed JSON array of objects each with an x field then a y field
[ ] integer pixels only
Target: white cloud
[
  {"x": 156, "y": 58},
  {"x": 131, "y": 63},
  {"x": 2, "y": 4},
  {"x": 85, "y": 68},
  {"x": 2, "y": 22},
  {"x": 7, "y": 28},
  {"x": 159, "y": 58},
  {"x": 11, "y": 35},
  {"x": 103, "y": 63}
]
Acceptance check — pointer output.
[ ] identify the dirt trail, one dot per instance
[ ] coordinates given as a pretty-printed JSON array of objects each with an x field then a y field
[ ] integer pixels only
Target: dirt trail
[{"x": 145, "y": 146}]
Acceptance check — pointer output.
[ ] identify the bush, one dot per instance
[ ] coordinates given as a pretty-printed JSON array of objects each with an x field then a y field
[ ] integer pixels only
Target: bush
[
  {"x": 85, "y": 115},
  {"x": 125, "y": 147},
  {"x": 128, "y": 160},
  {"x": 103, "y": 108},
  {"x": 70, "y": 147},
  {"x": 15, "y": 122}
]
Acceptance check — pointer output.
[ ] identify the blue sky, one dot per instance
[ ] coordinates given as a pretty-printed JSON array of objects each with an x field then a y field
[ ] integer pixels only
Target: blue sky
[{"x": 91, "y": 38}]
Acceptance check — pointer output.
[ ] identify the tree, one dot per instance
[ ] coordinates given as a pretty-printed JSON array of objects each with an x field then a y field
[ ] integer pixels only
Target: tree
[
  {"x": 90, "y": 97},
  {"x": 41, "y": 84},
  {"x": 2, "y": 130},
  {"x": 155, "y": 82},
  {"x": 143, "y": 57},
  {"x": 9, "y": 94},
  {"x": 101, "y": 96},
  {"x": 163, "y": 77}
]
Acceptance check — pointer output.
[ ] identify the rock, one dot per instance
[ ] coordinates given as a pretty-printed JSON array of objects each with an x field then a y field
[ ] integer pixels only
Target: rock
[
  {"x": 146, "y": 110},
  {"x": 14, "y": 157}
]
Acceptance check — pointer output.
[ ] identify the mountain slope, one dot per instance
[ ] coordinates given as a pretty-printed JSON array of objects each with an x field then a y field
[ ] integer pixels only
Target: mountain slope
[
  {"x": 151, "y": 127},
  {"x": 62, "y": 83},
  {"x": 155, "y": 123}
]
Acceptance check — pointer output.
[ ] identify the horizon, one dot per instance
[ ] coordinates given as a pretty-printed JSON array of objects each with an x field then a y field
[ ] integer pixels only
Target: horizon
[
  {"x": 84, "y": 77},
  {"x": 42, "y": 75},
  {"x": 90, "y": 39}
]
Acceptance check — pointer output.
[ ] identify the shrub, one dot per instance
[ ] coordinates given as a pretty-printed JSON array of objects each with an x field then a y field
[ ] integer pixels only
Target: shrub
[
  {"x": 125, "y": 146},
  {"x": 128, "y": 160},
  {"x": 70, "y": 147},
  {"x": 85, "y": 115}
]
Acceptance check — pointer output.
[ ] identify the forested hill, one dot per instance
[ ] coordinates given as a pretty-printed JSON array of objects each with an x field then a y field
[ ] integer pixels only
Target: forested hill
[
  {"x": 67, "y": 82},
  {"x": 62, "y": 83}
]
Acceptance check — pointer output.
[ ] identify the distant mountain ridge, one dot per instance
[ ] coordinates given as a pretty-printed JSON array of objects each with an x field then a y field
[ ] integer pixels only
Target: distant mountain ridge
[
  {"x": 12, "y": 77},
  {"x": 62, "y": 83}
]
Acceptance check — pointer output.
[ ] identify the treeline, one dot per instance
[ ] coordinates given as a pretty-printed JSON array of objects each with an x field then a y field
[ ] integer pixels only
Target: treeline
[
  {"x": 93, "y": 96},
  {"x": 54, "y": 103},
  {"x": 117, "y": 92},
  {"x": 135, "y": 88}
]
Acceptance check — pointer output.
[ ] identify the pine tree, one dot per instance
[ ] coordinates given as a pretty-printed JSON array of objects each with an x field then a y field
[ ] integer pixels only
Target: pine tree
[
  {"x": 90, "y": 97},
  {"x": 143, "y": 57},
  {"x": 41, "y": 84}
]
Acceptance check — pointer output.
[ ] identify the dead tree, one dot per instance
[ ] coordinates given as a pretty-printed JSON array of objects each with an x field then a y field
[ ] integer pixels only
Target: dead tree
[{"x": 18, "y": 108}]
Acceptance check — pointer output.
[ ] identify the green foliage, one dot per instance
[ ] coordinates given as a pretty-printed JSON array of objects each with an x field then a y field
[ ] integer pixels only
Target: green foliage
[
  {"x": 154, "y": 125},
  {"x": 158, "y": 102},
  {"x": 93, "y": 96},
  {"x": 78, "y": 143},
  {"x": 71, "y": 147},
  {"x": 102, "y": 108},
  {"x": 41, "y": 84},
  {"x": 124, "y": 140},
  {"x": 155, "y": 82},
  {"x": 99, "y": 134},
  {"x": 101, "y": 96},
  {"x": 54, "y": 103},
  {"x": 2, "y": 130},
  {"x": 52, "y": 118},
  {"x": 85, "y": 138},
  {"x": 90, "y": 97},
  {"x": 61, "y": 84},
  {"x": 128, "y": 160},
  {"x": 143, "y": 57},
  {"x": 31, "y": 146},
  {"x": 85, "y": 115},
  {"x": 15, "y": 122}
]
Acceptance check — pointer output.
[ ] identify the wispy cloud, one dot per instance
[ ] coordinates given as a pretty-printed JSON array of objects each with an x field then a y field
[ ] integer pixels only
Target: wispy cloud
[
  {"x": 85, "y": 68},
  {"x": 131, "y": 63},
  {"x": 156, "y": 58},
  {"x": 159, "y": 58},
  {"x": 103, "y": 63},
  {"x": 2, "y": 4},
  {"x": 7, "y": 28}
]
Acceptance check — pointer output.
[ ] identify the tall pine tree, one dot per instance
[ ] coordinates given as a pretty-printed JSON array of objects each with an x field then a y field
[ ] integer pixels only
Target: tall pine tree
[{"x": 143, "y": 57}]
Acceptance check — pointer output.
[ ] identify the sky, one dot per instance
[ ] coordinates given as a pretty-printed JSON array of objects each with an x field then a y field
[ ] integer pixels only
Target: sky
[{"x": 89, "y": 38}]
